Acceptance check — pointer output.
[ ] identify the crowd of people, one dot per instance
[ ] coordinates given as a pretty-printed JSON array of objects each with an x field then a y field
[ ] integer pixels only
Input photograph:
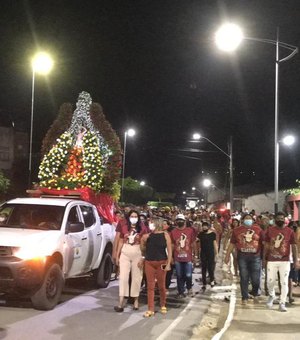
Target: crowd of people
[{"x": 151, "y": 245}]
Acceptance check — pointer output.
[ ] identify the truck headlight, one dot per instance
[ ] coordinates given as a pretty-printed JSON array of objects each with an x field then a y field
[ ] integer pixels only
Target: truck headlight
[{"x": 30, "y": 254}]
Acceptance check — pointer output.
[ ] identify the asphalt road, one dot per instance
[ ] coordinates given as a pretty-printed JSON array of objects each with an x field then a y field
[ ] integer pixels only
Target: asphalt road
[{"x": 86, "y": 313}]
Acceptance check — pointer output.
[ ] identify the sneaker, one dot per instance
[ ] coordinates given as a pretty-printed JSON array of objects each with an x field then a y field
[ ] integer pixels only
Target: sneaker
[
  {"x": 282, "y": 307},
  {"x": 191, "y": 293},
  {"x": 203, "y": 288},
  {"x": 180, "y": 296},
  {"x": 291, "y": 300},
  {"x": 212, "y": 284},
  {"x": 270, "y": 302}
]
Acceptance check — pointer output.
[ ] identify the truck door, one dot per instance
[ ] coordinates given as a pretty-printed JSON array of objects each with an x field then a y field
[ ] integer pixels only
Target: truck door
[
  {"x": 77, "y": 245},
  {"x": 93, "y": 227}
]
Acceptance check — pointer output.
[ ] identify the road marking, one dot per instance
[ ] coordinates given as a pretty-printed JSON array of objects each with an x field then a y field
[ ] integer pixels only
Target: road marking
[
  {"x": 230, "y": 313},
  {"x": 166, "y": 334}
]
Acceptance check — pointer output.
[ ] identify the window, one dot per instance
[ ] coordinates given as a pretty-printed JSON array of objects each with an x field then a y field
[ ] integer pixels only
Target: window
[
  {"x": 88, "y": 215},
  {"x": 73, "y": 216}
]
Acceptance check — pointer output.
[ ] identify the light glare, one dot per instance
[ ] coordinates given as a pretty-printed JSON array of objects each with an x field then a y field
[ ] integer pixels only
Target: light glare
[
  {"x": 42, "y": 63},
  {"x": 228, "y": 37},
  {"x": 196, "y": 136},
  {"x": 207, "y": 183},
  {"x": 131, "y": 132},
  {"x": 289, "y": 140}
]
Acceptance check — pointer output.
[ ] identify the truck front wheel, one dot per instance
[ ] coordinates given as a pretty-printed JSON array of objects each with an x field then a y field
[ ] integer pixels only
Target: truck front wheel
[
  {"x": 103, "y": 274},
  {"x": 47, "y": 297}
]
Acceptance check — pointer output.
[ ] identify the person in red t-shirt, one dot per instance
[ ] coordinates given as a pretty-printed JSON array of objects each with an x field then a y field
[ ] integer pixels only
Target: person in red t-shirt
[
  {"x": 183, "y": 239},
  {"x": 247, "y": 239},
  {"x": 278, "y": 241}
]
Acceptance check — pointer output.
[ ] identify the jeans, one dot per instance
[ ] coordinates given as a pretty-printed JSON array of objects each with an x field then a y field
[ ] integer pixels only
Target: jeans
[
  {"x": 250, "y": 268},
  {"x": 184, "y": 275}
]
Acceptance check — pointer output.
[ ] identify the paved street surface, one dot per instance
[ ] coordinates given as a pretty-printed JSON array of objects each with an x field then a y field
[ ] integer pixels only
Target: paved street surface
[{"x": 88, "y": 314}]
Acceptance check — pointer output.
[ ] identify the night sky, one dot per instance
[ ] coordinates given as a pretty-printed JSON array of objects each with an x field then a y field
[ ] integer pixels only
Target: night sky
[{"x": 153, "y": 65}]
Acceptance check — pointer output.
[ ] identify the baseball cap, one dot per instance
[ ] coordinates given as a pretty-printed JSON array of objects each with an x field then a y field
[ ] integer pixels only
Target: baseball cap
[{"x": 180, "y": 217}]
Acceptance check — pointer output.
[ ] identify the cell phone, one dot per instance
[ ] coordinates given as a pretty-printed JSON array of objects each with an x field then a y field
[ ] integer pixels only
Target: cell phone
[{"x": 163, "y": 266}]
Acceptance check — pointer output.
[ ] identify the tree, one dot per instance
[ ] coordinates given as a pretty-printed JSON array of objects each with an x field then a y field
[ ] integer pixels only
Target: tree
[
  {"x": 4, "y": 183},
  {"x": 134, "y": 192}
]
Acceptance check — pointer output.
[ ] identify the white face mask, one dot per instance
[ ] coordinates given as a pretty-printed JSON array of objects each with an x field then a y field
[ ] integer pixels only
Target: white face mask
[
  {"x": 151, "y": 226},
  {"x": 133, "y": 220}
]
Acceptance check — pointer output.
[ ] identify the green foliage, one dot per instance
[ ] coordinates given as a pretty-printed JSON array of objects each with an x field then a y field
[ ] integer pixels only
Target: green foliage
[
  {"x": 294, "y": 191},
  {"x": 134, "y": 192},
  {"x": 4, "y": 183}
]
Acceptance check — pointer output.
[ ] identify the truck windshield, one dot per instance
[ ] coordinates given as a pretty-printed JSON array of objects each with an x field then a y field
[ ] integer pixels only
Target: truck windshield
[{"x": 31, "y": 216}]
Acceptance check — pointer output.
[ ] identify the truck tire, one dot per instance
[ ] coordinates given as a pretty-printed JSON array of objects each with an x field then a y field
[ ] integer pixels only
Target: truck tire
[
  {"x": 103, "y": 274},
  {"x": 47, "y": 297}
]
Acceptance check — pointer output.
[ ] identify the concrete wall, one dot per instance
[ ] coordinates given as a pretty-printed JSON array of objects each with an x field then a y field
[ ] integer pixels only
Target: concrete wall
[{"x": 264, "y": 202}]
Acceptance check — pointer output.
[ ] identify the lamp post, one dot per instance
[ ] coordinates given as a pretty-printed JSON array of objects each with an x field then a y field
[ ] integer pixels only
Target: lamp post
[
  {"x": 197, "y": 136},
  {"x": 41, "y": 63},
  {"x": 228, "y": 37},
  {"x": 130, "y": 133}
]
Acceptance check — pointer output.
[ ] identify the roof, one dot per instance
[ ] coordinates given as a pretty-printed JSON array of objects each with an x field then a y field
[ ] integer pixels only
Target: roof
[{"x": 44, "y": 201}]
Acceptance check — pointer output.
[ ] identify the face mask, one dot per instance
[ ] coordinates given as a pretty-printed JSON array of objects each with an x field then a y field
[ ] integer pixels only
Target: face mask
[
  {"x": 248, "y": 223},
  {"x": 271, "y": 222},
  {"x": 180, "y": 224},
  {"x": 151, "y": 226},
  {"x": 133, "y": 220},
  {"x": 280, "y": 223}
]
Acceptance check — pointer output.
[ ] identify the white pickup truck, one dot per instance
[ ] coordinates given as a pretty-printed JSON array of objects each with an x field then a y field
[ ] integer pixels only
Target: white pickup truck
[{"x": 44, "y": 241}]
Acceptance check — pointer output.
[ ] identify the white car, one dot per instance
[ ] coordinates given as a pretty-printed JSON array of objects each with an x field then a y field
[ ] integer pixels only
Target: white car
[{"x": 44, "y": 241}]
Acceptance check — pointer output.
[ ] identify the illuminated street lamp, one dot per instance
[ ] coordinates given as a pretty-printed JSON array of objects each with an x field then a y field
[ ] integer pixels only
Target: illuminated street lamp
[
  {"x": 288, "y": 140},
  {"x": 142, "y": 183},
  {"x": 207, "y": 183},
  {"x": 228, "y": 38},
  {"x": 41, "y": 63},
  {"x": 196, "y": 136},
  {"x": 129, "y": 133}
]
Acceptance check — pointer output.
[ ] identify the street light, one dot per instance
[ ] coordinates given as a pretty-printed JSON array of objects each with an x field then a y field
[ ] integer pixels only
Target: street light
[
  {"x": 130, "y": 133},
  {"x": 235, "y": 34},
  {"x": 41, "y": 63},
  {"x": 288, "y": 140},
  {"x": 142, "y": 183},
  {"x": 196, "y": 136}
]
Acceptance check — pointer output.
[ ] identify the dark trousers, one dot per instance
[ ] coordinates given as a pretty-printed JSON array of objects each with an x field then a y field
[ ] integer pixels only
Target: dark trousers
[
  {"x": 249, "y": 267},
  {"x": 207, "y": 264}
]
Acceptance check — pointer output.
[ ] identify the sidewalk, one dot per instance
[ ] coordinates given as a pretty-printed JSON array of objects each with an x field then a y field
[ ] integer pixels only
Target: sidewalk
[
  {"x": 255, "y": 321},
  {"x": 252, "y": 322}
]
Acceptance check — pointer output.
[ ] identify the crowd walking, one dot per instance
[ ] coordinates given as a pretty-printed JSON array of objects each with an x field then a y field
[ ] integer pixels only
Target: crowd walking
[{"x": 152, "y": 247}]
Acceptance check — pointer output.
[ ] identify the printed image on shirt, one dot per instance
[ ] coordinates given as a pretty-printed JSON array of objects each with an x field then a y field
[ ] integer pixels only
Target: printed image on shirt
[
  {"x": 248, "y": 241},
  {"x": 182, "y": 246},
  {"x": 278, "y": 246},
  {"x": 132, "y": 238}
]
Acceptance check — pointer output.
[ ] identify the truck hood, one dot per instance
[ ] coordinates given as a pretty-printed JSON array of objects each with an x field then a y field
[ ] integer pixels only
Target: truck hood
[{"x": 44, "y": 241}]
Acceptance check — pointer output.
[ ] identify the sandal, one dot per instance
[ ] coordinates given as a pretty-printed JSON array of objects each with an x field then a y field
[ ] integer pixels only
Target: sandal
[
  {"x": 163, "y": 310},
  {"x": 148, "y": 314}
]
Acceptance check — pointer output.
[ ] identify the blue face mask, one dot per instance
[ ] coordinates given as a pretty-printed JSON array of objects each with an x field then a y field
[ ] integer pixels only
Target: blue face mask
[
  {"x": 271, "y": 222},
  {"x": 248, "y": 223}
]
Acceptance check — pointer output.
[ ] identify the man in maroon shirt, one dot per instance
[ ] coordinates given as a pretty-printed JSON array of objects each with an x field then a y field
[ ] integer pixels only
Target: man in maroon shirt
[
  {"x": 279, "y": 240},
  {"x": 183, "y": 239},
  {"x": 247, "y": 239}
]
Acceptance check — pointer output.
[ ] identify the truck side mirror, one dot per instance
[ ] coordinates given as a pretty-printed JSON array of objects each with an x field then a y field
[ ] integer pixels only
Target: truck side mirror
[{"x": 75, "y": 227}]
